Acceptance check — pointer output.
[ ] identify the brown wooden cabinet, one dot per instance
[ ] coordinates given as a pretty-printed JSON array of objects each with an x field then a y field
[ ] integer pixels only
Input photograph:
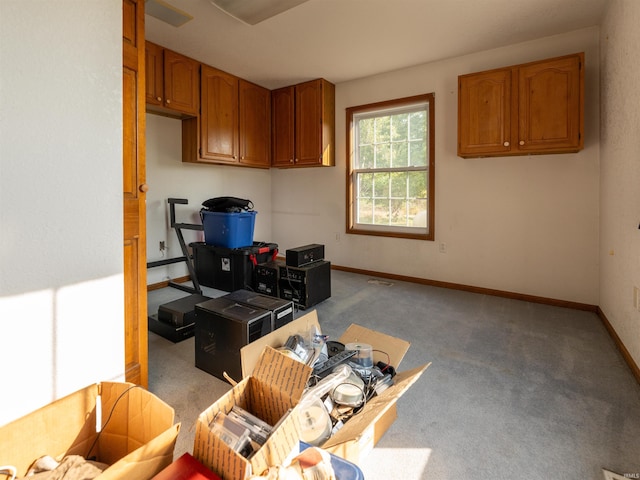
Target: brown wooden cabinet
[
  {"x": 234, "y": 122},
  {"x": 172, "y": 81},
  {"x": 303, "y": 125},
  {"x": 219, "y": 116},
  {"x": 254, "y": 124},
  {"x": 533, "y": 108}
]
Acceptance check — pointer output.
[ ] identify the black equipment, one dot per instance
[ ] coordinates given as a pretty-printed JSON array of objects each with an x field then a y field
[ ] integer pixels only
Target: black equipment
[
  {"x": 222, "y": 327},
  {"x": 281, "y": 310},
  {"x": 301, "y": 256},
  {"x": 175, "y": 320},
  {"x": 266, "y": 277},
  {"x": 305, "y": 286}
]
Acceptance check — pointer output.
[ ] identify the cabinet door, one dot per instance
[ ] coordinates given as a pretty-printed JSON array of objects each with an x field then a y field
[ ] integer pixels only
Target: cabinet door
[
  {"x": 308, "y": 123},
  {"x": 181, "y": 82},
  {"x": 550, "y": 105},
  {"x": 255, "y": 125},
  {"x": 219, "y": 115},
  {"x": 154, "y": 71},
  {"x": 283, "y": 126},
  {"x": 484, "y": 113}
]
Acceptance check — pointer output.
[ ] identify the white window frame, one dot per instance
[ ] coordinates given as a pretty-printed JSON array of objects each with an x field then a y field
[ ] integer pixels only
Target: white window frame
[{"x": 381, "y": 109}]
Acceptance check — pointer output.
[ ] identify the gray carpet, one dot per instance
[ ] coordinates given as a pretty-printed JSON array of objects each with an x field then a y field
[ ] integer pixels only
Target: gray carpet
[{"x": 515, "y": 389}]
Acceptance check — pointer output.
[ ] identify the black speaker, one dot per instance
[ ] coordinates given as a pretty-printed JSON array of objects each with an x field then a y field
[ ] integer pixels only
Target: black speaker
[{"x": 305, "y": 286}]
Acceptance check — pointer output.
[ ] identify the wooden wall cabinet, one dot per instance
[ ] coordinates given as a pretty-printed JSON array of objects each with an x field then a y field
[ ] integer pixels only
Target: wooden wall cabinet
[
  {"x": 172, "y": 82},
  {"x": 234, "y": 121},
  {"x": 303, "y": 125},
  {"x": 533, "y": 108}
]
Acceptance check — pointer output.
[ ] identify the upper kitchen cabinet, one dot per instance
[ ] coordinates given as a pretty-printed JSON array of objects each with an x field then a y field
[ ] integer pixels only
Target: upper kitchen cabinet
[
  {"x": 234, "y": 122},
  {"x": 303, "y": 125},
  {"x": 533, "y": 108},
  {"x": 172, "y": 81},
  {"x": 254, "y": 124}
]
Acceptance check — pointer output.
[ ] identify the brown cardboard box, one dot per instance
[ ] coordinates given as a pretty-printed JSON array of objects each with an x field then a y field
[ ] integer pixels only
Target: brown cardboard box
[
  {"x": 360, "y": 433},
  {"x": 273, "y": 389},
  {"x": 137, "y": 438}
]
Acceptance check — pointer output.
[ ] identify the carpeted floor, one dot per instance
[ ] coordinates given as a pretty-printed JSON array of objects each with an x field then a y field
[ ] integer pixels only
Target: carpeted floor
[{"x": 514, "y": 390}]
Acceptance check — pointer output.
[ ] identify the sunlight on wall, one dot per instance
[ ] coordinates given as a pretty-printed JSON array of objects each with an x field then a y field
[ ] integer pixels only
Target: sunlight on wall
[
  {"x": 58, "y": 341},
  {"x": 407, "y": 463}
]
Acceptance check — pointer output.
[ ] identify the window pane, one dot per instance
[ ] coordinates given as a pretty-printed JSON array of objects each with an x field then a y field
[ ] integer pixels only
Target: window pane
[
  {"x": 383, "y": 132},
  {"x": 399, "y": 154},
  {"x": 417, "y": 184},
  {"x": 365, "y": 211},
  {"x": 383, "y": 155},
  {"x": 417, "y": 210},
  {"x": 366, "y": 156},
  {"x": 399, "y": 127},
  {"x": 365, "y": 130},
  {"x": 418, "y": 154},
  {"x": 399, "y": 185},
  {"x": 365, "y": 185},
  {"x": 381, "y": 211},
  {"x": 398, "y": 212},
  {"x": 418, "y": 125},
  {"x": 381, "y": 185}
]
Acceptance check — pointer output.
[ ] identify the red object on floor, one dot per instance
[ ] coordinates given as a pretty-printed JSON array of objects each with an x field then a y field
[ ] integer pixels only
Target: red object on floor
[{"x": 186, "y": 468}]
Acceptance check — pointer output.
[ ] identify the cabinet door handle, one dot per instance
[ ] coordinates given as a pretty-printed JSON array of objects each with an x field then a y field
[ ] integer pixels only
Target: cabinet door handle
[
  {"x": 521, "y": 142},
  {"x": 291, "y": 160},
  {"x": 168, "y": 100},
  {"x": 144, "y": 188},
  {"x": 159, "y": 99},
  {"x": 506, "y": 144}
]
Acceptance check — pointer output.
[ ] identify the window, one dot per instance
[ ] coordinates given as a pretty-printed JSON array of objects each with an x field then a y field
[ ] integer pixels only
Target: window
[{"x": 391, "y": 164}]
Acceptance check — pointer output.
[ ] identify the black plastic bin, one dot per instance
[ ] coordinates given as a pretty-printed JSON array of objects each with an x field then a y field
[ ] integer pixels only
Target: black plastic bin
[{"x": 230, "y": 269}]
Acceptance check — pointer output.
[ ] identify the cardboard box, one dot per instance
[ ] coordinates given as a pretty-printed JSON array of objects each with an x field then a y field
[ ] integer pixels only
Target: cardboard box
[
  {"x": 137, "y": 438},
  {"x": 363, "y": 431},
  {"x": 270, "y": 392}
]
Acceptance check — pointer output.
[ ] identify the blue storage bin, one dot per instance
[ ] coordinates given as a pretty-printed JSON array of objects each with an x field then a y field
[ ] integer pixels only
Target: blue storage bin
[{"x": 229, "y": 230}]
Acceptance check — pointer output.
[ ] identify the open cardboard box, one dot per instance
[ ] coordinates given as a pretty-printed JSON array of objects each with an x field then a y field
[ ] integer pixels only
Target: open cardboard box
[
  {"x": 137, "y": 437},
  {"x": 270, "y": 392},
  {"x": 361, "y": 432}
]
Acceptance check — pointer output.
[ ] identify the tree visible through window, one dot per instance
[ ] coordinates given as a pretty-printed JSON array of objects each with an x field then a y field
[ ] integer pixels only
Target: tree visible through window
[{"x": 391, "y": 168}]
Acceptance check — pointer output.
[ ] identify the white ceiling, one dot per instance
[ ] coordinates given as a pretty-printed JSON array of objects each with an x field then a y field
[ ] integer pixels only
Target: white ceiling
[{"x": 342, "y": 40}]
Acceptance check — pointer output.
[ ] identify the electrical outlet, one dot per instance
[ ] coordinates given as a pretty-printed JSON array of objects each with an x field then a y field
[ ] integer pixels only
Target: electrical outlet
[
  {"x": 636, "y": 298},
  {"x": 337, "y": 236},
  {"x": 162, "y": 246},
  {"x": 443, "y": 247}
]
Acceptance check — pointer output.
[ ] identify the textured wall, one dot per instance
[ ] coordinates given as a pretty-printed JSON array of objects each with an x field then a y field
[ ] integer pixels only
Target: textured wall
[
  {"x": 61, "y": 295},
  {"x": 620, "y": 171}
]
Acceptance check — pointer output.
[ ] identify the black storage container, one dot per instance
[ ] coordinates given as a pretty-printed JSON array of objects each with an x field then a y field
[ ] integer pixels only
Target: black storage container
[
  {"x": 230, "y": 269},
  {"x": 281, "y": 310},
  {"x": 222, "y": 327}
]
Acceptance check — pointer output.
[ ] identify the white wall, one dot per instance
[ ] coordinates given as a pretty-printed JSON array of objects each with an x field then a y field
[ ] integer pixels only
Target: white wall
[
  {"x": 520, "y": 224},
  {"x": 620, "y": 171},
  {"x": 61, "y": 295},
  {"x": 168, "y": 177}
]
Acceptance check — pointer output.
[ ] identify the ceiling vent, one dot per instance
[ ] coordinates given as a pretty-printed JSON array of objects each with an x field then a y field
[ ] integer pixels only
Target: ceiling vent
[
  {"x": 167, "y": 13},
  {"x": 255, "y": 11}
]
